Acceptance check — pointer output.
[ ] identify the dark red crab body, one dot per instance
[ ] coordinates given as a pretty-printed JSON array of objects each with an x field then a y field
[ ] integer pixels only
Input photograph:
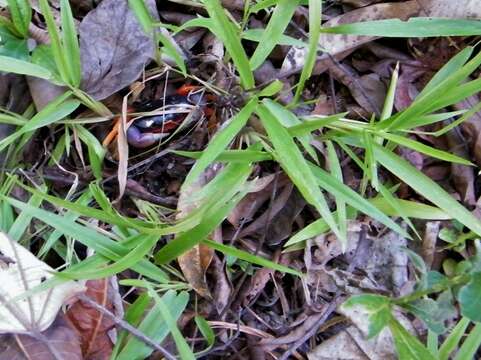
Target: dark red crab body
[{"x": 148, "y": 130}]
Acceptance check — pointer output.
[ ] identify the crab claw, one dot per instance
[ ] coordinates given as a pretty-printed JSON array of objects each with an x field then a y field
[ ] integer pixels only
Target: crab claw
[{"x": 141, "y": 140}]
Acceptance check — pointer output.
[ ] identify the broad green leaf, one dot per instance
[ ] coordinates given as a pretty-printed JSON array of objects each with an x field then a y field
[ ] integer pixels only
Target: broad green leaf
[
  {"x": 426, "y": 187},
  {"x": 295, "y": 165},
  {"x": 414, "y": 27},
  {"x": 407, "y": 345},
  {"x": 469, "y": 298},
  {"x": 220, "y": 141},
  {"x": 433, "y": 313},
  {"x": 225, "y": 30},
  {"x": 378, "y": 307},
  {"x": 278, "y": 22}
]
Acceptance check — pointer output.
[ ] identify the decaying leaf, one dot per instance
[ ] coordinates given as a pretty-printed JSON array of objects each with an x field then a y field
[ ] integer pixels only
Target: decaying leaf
[
  {"x": 113, "y": 47},
  {"x": 21, "y": 271},
  {"x": 59, "y": 341},
  {"x": 92, "y": 325},
  {"x": 195, "y": 262}
]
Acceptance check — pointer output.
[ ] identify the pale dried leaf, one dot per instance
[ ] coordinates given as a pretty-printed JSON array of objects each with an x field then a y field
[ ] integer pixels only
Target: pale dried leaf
[{"x": 21, "y": 271}]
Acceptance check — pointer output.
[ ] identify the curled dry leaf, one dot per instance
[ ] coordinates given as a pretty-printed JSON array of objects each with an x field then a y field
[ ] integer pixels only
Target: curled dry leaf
[
  {"x": 59, "y": 341},
  {"x": 92, "y": 325},
  {"x": 194, "y": 263},
  {"x": 113, "y": 47},
  {"x": 21, "y": 271}
]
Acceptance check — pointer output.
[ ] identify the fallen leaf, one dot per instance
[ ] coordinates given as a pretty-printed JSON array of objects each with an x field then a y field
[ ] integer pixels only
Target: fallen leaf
[
  {"x": 194, "y": 262},
  {"x": 113, "y": 47},
  {"x": 21, "y": 271},
  {"x": 91, "y": 324},
  {"x": 59, "y": 341}
]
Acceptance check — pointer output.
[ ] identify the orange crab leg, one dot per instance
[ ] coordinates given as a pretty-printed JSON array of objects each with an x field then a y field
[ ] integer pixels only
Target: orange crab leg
[{"x": 185, "y": 89}]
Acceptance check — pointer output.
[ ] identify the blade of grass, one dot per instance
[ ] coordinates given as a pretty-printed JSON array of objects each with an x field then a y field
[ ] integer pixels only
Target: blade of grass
[
  {"x": 71, "y": 44},
  {"x": 225, "y": 30},
  {"x": 220, "y": 141},
  {"x": 315, "y": 10},
  {"x": 295, "y": 165},
  {"x": 253, "y": 259},
  {"x": 414, "y": 27},
  {"x": 278, "y": 23},
  {"x": 454, "y": 338},
  {"x": 426, "y": 187},
  {"x": 470, "y": 345},
  {"x": 425, "y": 149}
]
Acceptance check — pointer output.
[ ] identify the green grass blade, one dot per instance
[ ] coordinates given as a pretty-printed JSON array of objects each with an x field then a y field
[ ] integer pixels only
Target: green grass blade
[
  {"x": 21, "y": 13},
  {"x": 336, "y": 172},
  {"x": 315, "y": 9},
  {"x": 213, "y": 214},
  {"x": 295, "y": 165},
  {"x": 185, "y": 351},
  {"x": 424, "y": 149},
  {"x": 407, "y": 345},
  {"x": 453, "y": 65},
  {"x": 414, "y": 27},
  {"x": 253, "y": 259},
  {"x": 220, "y": 141},
  {"x": 21, "y": 67},
  {"x": 225, "y": 30},
  {"x": 55, "y": 42},
  {"x": 71, "y": 44},
  {"x": 453, "y": 340},
  {"x": 278, "y": 23},
  {"x": 426, "y": 187},
  {"x": 470, "y": 345},
  {"x": 344, "y": 192}
]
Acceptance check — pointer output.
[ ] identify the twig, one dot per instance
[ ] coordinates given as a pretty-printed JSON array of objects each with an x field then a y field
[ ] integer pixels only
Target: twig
[{"x": 126, "y": 326}]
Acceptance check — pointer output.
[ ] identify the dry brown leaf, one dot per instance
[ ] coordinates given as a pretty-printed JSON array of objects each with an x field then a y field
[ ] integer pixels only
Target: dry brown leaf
[
  {"x": 114, "y": 48},
  {"x": 194, "y": 263},
  {"x": 59, "y": 341},
  {"x": 92, "y": 325}
]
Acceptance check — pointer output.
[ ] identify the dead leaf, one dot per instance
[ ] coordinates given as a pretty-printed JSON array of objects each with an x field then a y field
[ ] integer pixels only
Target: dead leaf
[
  {"x": 92, "y": 325},
  {"x": 114, "y": 48},
  {"x": 194, "y": 263},
  {"x": 21, "y": 271},
  {"x": 59, "y": 341}
]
